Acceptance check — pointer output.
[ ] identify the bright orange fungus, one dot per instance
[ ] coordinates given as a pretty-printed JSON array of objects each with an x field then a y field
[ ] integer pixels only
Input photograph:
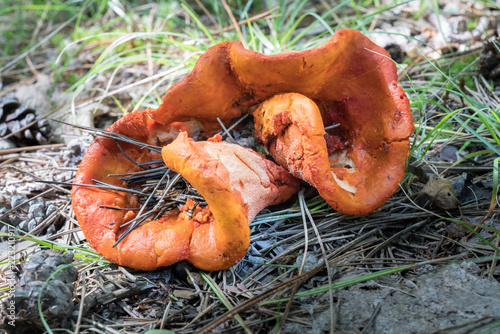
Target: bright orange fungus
[{"x": 347, "y": 86}]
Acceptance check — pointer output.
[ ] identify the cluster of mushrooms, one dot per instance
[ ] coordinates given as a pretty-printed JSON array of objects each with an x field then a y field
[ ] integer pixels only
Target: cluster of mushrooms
[{"x": 347, "y": 86}]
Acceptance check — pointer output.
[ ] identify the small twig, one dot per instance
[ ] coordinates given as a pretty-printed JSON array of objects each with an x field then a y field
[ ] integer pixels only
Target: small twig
[
  {"x": 250, "y": 20},
  {"x": 235, "y": 23},
  {"x": 225, "y": 301},
  {"x": 394, "y": 237},
  {"x": 372, "y": 319},
  {"x": 29, "y": 148},
  {"x": 206, "y": 11},
  {"x": 231, "y": 139},
  {"x": 165, "y": 314},
  {"x": 241, "y": 119},
  {"x": 82, "y": 303},
  {"x": 333, "y": 126}
]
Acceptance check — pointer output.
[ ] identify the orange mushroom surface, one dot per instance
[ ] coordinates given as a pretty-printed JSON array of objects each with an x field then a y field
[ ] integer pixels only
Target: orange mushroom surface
[
  {"x": 353, "y": 83},
  {"x": 349, "y": 77},
  {"x": 347, "y": 86},
  {"x": 354, "y": 178},
  {"x": 237, "y": 183}
]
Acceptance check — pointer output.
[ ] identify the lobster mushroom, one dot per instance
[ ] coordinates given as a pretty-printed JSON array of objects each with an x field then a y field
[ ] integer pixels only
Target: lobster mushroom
[
  {"x": 333, "y": 116},
  {"x": 353, "y": 84},
  {"x": 354, "y": 174},
  {"x": 236, "y": 182}
]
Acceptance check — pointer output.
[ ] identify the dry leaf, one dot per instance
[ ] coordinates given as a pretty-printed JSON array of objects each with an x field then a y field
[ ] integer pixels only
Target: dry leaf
[{"x": 440, "y": 193}]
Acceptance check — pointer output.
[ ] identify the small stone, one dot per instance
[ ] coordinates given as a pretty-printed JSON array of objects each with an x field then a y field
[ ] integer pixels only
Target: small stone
[
  {"x": 51, "y": 230},
  {"x": 248, "y": 142},
  {"x": 37, "y": 210},
  {"x": 458, "y": 184},
  {"x": 31, "y": 225},
  {"x": 449, "y": 153},
  {"x": 16, "y": 221},
  {"x": 311, "y": 260},
  {"x": 51, "y": 208},
  {"x": 17, "y": 200},
  {"x": 38, "y": 200},
  {"x": 4, "y": 229},
  {"x": 24, "y": 225}
]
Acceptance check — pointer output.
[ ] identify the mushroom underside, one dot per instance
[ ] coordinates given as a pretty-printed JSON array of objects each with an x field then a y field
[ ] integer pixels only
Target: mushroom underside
[
  {"x": 213, "y": 237},
  {"x": 353, "y": 176}
]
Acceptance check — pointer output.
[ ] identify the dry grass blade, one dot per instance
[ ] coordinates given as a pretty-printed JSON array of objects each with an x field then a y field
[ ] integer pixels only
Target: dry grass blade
[
  {"x": 235, "y": 23},
  {"x": 224, "y": 300},
  {"x": 327, "y": 266},
  {"x": 303, "y": 208},
  {"x": 29, "y": 148},
  {"x": 259, "y": 298}
]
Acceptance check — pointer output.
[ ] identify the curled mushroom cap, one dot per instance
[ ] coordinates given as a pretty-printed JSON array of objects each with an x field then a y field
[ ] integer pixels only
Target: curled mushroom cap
[
  {"x": 349, "y": 77},
  {"x": 236, "y": 182},
  {"x": 353, "y": 83},
  {"x": 352, "y": 177},
  {"x": 101, "y": 225}
]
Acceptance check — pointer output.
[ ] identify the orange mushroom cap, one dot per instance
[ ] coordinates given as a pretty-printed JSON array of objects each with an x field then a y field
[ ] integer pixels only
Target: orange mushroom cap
[
  {"x": 352, "y": 81},
  {"x": 353, "y": 179},
  {"x": 237, "y": 184},
  {"x": 347, "y": 76}
]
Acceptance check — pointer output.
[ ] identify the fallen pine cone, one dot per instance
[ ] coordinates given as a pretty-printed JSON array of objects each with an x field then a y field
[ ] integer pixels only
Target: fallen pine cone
[
  {"x": 489, "y": 61},
  {"x": 57, "y": 295},
  {"x": 14, "y": 116}
]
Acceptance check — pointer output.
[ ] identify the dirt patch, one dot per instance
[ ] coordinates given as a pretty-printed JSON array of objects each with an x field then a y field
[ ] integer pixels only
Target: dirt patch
[{"x": 453, "y": 299}]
